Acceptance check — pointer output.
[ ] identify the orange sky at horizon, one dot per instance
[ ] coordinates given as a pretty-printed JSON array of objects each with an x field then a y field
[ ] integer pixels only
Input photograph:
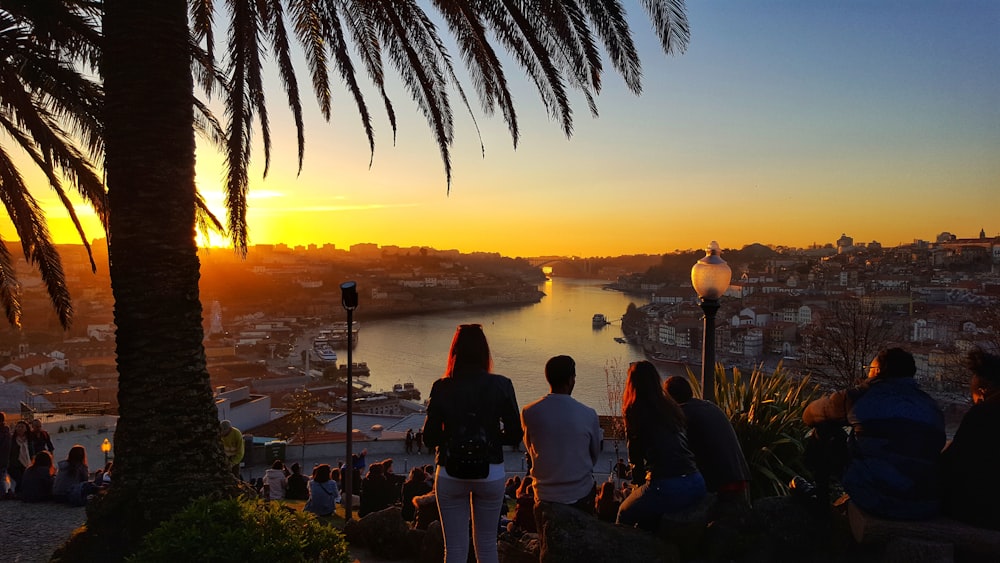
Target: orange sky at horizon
[{"x": 787, "y": 125}]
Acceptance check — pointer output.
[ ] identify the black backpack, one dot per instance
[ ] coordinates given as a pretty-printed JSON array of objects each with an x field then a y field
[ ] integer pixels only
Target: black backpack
[{"x": 468, "y": 448}]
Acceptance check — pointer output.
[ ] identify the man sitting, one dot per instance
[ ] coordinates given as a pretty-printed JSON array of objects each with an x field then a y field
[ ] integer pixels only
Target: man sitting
[
  {"x": 563, "y": 438},
  {"x": 897, "y": 432},
  {"x": 713, "y": 442}
]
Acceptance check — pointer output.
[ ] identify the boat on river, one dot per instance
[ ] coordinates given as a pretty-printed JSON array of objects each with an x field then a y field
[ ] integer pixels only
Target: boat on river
[
  {"x": 405, "y": 391},
  {"x": 599, "y": 319},
  {"x": 358, "y": 369}
]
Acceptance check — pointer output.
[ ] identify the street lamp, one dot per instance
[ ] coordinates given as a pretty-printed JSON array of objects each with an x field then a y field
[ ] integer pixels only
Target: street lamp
[
  {"x": 106, "y": 448},
  {"x": 349, "y": 299},
  {"x": 710, "y": 277}
]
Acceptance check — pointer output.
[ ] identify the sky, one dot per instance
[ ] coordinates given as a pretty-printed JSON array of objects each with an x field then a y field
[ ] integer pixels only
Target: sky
[{"x": 785, "y": 122}]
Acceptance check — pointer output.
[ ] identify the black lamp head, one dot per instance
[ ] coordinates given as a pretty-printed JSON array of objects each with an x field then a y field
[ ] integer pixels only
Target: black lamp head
[{"x": 349, "y": 295}]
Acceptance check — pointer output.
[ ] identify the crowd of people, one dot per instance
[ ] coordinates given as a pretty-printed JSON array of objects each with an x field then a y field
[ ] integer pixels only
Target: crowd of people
[
  {"x": 29, "y": 472},
  {"x": 882, "y": 442}
]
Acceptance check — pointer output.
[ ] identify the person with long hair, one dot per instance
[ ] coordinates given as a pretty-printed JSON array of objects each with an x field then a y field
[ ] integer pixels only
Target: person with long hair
[
  {"x": 469, "y": 390},
  {"x": 664, "y": 472},
  {"x": 416, "y": 484},
  {"x": 323, "y": 492},
  {"x": 36, "y": 483},
  {"x": 73, "y": 472},
  {"x": 20, "y": 452}
]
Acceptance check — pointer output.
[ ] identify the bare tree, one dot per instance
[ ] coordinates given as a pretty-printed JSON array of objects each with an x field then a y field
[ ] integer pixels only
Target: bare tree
[
  {"x": 845, "y": 336},
  {"x": 614, "y": 375}
]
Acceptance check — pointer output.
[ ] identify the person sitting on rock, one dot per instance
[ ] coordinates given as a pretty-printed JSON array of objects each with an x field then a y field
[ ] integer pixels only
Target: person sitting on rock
[
  {"x": 426, "y": 510},
  {"x": 897, "y": 433},
  {"x": 524, "y": 509},
  {"x": 36, "y": 482},
  {"x": 296, "y": 486},
  {"x": 563, "y": 439},
  {"x": 275, "y": 483},
  {"x": 607, "y": 502},
  {"x": 664, "y": 470},
  {"x": 713, "y": 441},
  {"x": 972, "y": 459},
  {"x": 415, "y": 485},
  {"x": 323, "y": 492},
  {"x": 377, "y": 492}
]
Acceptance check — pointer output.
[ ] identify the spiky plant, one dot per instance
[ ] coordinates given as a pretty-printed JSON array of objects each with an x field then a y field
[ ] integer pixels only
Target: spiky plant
[{"x": 766, "y": 412}]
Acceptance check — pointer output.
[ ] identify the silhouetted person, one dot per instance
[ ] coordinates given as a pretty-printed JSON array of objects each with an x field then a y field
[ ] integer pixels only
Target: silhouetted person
[
  {"x": 563, "y": 438},
  {"x": 897, "y": 432},
  {"x": 971, "y": 462},
  {"x": 713, "y": 441},
  {"x": 663, "y": 468}
]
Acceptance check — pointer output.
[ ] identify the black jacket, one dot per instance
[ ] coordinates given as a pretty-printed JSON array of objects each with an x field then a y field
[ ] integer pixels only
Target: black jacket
[{"x": 492, "y": 394}]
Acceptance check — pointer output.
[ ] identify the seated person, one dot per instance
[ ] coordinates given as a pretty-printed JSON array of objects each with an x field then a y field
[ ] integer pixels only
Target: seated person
[
  {"x": 897, "y": 432},
  {"x": 377, "y": 491},
  {"x": 712, "y": 440},
  {"x": 972, "y": 460},
  {"x": 36, "y": 482},
  {"x": 296, "y": 486},
  {"x": 510, "y": 487},
  {"x": 72, "y": 482},
  {"x": 524, "y": 509},
  {"x": 274, "y": 481},
  {"x": 323, "y": 492},
  {"x": 414, "y": 486},
  {"x": 426, "y": 510},
  {"x": 607, "y": 502}
]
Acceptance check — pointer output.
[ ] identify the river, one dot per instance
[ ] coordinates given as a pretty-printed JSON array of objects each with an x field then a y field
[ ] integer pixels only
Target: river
[{"x": 415, "y": 348}]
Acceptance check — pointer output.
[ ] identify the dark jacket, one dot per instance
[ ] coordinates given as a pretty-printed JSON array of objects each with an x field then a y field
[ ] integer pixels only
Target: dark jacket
[
  {"x": 298, "y": 487},
  {"x": 971, "y": 463},
  {"x": 5, "y": 438},
  {"x": 713, "y": 441},
  {"x": 491, "y": 394},
  {"x": 897, "y": 432},
  {"x": 36, "y": 484},
  {"x": 654, "y": 447}
]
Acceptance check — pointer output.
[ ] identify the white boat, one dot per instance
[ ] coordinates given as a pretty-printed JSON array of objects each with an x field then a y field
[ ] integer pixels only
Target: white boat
[{"x": 324, "y": 351}]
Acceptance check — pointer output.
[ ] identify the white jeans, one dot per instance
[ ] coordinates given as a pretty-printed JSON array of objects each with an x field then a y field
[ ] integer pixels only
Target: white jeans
[{"x": 460, "y": 499}]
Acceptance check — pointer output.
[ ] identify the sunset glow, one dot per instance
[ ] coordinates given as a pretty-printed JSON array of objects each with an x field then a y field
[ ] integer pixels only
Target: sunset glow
[{"x": 788, "y": 123}]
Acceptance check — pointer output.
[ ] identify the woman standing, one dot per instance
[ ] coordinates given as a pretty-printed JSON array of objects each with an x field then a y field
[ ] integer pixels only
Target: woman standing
[
  {"x": 468, "y": 395},
  {"x": 20, "y": 452},
  {"x": 657, "y": 445}
]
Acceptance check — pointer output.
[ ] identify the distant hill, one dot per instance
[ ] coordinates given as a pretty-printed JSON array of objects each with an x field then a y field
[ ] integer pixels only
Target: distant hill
[{"x": 749, "y": 253}]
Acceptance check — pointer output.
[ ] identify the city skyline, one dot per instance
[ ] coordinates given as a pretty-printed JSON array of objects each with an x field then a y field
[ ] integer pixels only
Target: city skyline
[{"x": 784, "y": 123}]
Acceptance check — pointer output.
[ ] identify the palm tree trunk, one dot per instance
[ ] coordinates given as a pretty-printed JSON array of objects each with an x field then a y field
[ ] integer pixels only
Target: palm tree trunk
[{"x": 167, "y": 447}]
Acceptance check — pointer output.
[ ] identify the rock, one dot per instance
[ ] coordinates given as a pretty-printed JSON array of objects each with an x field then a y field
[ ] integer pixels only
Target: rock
[
  {"x": 432, "y": 550},
  {"x": 525, "y": 549},
  {"x": 570, "y": 536},
  {"x": 787, "y": 529},
  {"x": 384, "y": 533},
  {"x": 686, "y": 528}
]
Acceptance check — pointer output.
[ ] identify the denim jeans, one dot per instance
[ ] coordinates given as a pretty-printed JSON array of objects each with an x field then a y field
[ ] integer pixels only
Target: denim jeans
[
  {"x": 648, "y": 503},
  {"x": 460, "y": 499}
]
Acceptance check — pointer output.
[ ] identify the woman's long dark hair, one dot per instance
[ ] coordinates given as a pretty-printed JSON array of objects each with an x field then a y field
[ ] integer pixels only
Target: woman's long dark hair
[
  {"x": 469, "y": 351},
  {"x": 643, "y": 390},
  {"x": 77, "y": 455}
]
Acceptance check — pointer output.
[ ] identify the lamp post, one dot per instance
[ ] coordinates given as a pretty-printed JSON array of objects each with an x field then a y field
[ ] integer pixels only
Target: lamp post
[
  {"x": 349, "y": 299},
  {"x": 106, "y": 448},
  {"x": 710, "y": 277}
]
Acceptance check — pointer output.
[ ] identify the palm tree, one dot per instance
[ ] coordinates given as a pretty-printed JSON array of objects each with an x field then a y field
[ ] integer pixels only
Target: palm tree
[
  {"x": 41, "y": 94},
  {"x": 167, "y": 449}
]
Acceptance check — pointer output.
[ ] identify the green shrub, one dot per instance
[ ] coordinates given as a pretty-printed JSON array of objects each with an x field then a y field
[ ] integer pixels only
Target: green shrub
[
  {"x": 243, "y": 530},
  {"x": 766, "y": 412}
]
